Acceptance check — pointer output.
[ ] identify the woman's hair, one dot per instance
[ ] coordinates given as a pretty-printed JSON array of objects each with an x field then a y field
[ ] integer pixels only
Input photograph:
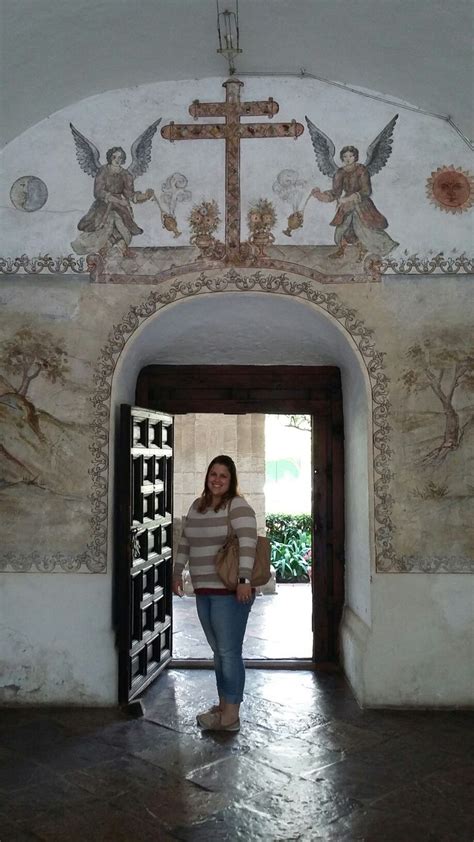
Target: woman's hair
[
  {"x": 112, "y": 151},
  {"x": 205, "y": 500},
  {"x": 352, "y": 149}
]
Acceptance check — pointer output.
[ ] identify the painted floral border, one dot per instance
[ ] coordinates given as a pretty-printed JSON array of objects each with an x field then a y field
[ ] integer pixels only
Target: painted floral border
[{"x": 438, "y": 264}]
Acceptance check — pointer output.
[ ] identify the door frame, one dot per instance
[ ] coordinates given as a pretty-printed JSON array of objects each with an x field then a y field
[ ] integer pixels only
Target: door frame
[{"x": 311, "y": 390}]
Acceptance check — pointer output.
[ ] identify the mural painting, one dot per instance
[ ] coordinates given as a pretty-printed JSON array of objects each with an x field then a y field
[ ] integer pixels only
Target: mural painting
[
  {"x": 44, "y": 479},
  {"x": 232, "y": 131},
  {"x": 434, "y": 422},
  {"x": 173, "y": 191},
  {"x": 289, "y": 187},
  {"x": 109, "y": 221},
  {"x": 357, "y": 221},
  {"x": 451, "y": 189},
  {"x": 261, "y": 218},
  {"x": 28, "y": 193},
  {"x": 447, "y": 372},
  {"x": 204, "y": 221},
  {"x": 109, "y": 233}
]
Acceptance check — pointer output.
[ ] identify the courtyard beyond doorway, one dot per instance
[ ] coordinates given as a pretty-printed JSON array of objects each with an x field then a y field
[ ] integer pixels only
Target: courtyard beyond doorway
[{"x": 279, "y": 626}]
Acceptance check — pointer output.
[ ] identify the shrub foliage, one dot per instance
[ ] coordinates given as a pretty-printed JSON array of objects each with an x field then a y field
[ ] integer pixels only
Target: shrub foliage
[{"x": 290, "y": 537}]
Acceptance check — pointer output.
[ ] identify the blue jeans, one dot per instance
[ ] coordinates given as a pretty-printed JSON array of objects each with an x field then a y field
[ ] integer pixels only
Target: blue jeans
[{"x": 224, "y": 621}]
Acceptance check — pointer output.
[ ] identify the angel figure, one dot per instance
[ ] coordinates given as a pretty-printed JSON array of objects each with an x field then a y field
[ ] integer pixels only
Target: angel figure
[
  {"x": 109, "y": 221},
  {"x": 357, "y": 220}
]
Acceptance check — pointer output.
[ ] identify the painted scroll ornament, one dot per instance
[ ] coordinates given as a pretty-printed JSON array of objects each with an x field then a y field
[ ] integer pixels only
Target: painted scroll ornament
[{"x": 451, "y": 189}]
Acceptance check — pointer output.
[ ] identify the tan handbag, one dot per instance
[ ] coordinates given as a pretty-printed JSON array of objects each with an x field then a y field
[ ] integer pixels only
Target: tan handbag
[{"x": 227, "y": 561}]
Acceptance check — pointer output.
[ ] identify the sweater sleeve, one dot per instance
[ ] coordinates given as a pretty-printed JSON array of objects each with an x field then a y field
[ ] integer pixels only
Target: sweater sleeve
[
  {"x": 182, "y": 554},
  {"x": 244, "y": 524}
]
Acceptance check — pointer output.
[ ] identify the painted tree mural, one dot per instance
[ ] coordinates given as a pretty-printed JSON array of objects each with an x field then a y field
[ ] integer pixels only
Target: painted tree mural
[
  {"x": 29, "y": 354},
  {"x": 35, "y": 448},
  {"x": 447, "y": 372}
]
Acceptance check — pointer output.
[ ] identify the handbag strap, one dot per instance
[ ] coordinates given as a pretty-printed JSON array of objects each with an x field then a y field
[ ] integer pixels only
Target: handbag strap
[{"x": 230, "y": 531}]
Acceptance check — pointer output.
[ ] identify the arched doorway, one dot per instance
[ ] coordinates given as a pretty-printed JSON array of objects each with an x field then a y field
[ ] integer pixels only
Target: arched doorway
[{"x": 263, "y": 326}]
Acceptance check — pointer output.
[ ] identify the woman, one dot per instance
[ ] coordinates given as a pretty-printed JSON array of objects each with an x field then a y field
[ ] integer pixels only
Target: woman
[{"x": 223, "y": 614}]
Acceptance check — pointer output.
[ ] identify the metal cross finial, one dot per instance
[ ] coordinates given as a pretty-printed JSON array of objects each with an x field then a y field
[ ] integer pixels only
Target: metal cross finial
[{"x": 228, "y": 32}]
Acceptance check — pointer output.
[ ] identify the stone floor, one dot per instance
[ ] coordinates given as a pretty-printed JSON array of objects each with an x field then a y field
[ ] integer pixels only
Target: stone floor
[
  {"x": 279, "y": 626},
  {"x": 307, "y": 765}
]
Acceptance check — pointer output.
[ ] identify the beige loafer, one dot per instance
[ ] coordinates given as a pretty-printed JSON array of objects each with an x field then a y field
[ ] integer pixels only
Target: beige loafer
[
  {"x": 213, "y": 709},
  {"x": 212, "y": 722}
]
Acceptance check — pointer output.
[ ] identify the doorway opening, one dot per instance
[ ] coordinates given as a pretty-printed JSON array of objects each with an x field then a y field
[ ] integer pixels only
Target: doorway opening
[
  {"x": 273, "y": 458},
  {"x": 244, "y": 391}
]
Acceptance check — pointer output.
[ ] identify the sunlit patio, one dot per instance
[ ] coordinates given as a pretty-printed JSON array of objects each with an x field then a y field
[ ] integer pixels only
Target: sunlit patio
[{"x": 279, "y": 626}]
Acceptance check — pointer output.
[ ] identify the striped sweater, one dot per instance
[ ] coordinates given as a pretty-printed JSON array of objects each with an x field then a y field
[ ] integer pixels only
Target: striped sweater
[{"x": 205, "y": 533}]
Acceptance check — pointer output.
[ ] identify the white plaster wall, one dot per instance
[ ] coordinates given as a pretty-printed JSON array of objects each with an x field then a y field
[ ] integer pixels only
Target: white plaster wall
[
  {"x": 421, "y": 650},
  {"x": 56, "y": 640},
  {"x": 358, "y": 479},
  {"x": 421, "y": 145}
]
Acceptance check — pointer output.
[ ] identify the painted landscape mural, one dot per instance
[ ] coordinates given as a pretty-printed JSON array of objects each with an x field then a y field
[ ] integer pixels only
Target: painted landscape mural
[{"x": 44, "y": 466}]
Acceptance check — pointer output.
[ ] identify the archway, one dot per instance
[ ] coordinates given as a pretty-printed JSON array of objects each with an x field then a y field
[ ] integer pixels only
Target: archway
[{"x": 289, "y": 322}]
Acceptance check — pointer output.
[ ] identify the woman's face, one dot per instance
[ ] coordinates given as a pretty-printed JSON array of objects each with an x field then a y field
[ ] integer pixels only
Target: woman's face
[{"x": 218, "y": 480}]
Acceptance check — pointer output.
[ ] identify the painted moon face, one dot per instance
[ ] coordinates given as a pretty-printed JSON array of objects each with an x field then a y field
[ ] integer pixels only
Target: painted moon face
[
  {"x": 28, "y": 193},
  {"x": 451, "y": 189}
]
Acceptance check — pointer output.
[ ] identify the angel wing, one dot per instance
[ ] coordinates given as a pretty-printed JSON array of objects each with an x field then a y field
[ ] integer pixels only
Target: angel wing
[
  {"x": 380, "y": 149},
  {"x": 86, "y": 153},
  {"x": 324, "y": 150},
  {"x": 141, "y": 150}
]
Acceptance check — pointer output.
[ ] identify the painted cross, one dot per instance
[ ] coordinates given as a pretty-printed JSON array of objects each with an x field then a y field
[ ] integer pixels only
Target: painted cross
[{"x": 232, "y": 131}]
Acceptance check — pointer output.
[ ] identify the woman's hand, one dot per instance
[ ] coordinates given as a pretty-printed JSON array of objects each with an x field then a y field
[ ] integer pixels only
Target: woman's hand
[
  {"x": 178, "y": 586},
  {"x": 244, "y": 593}
]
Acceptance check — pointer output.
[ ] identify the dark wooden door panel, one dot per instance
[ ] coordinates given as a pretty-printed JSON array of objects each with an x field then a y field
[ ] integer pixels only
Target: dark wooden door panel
[
  {"x": 144, "y": 548},
  {"x": 311, "y": 390},
  {"x": 234, "y": 389}
]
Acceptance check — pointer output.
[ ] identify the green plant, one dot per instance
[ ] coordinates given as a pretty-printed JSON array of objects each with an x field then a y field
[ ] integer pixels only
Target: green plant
[
  {"x": 290, "y": 537},
  {"x": 282, "y": 527}
]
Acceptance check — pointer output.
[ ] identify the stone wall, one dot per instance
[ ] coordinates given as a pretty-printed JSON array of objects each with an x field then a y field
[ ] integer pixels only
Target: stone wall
[{"x": 198, "y": 438}]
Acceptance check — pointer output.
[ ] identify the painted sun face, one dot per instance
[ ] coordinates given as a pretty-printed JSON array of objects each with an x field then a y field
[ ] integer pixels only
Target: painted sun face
[
  {"x": 451, "y": 189},
  {"x": 218, "y": 480}
]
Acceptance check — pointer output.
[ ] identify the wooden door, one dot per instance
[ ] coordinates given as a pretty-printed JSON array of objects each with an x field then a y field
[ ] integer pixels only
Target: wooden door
[
  {"x": 143, "y": 571},
  {"x": 311, "y": 390},
  {"x": 328, "y": 530}
]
